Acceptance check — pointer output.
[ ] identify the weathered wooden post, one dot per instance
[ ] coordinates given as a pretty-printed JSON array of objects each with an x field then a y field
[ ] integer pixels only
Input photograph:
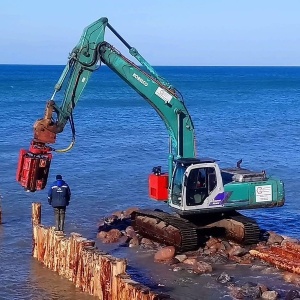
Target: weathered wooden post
[
  {"x": 36, "y": 218},
  {"x": 36, "y": 213}
]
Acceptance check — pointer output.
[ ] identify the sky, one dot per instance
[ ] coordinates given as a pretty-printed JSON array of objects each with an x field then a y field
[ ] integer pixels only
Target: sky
[{"x": 165, "y": 32}]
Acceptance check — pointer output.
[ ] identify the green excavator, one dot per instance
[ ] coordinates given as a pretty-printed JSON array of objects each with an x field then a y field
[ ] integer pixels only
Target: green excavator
[{"x": 203, "y": 196}]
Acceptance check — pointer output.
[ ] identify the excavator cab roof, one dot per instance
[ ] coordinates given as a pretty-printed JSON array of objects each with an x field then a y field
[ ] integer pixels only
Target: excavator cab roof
[{"x": 191, "y": 161}]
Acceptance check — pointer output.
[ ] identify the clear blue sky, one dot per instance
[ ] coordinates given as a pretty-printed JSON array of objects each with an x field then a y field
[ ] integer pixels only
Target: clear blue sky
[{"x": 166, "y": 32}]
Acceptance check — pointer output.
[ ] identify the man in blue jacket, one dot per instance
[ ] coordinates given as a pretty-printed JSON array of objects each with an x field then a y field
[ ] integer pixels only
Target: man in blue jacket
[{"x": 59, "y": 195}]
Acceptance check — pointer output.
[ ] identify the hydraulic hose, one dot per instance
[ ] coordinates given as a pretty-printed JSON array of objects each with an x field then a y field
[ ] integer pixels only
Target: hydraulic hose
[
  {"x": 71, "y": 120},
  {"x": 68, "y": 148}
]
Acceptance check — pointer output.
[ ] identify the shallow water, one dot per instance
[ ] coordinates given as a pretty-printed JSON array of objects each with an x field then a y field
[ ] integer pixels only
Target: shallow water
[{"x": 183, "y": 285}]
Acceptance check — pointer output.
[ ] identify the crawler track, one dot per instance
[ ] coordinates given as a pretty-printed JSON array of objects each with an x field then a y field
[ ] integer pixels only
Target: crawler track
[
  {"x": 167, "y": 229},
  {"x": 185, "y": 235}
]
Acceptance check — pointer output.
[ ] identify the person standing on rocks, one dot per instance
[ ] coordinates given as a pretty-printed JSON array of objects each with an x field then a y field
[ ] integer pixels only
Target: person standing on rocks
[{"x": 59, "y": 196}]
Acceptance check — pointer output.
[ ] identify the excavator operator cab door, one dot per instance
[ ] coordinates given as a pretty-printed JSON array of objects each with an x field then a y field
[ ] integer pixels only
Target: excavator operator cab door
[{"x": 197, "y": 186}]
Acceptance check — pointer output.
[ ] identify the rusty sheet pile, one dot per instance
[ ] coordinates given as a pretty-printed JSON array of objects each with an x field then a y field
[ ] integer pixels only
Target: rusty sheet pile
[
  {"x": 78, "y": 260},
  {"x": 285, "y": 257}
]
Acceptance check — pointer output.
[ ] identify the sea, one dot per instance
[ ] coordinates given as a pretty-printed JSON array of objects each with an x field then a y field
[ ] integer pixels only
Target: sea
[{"x": 248, "y": 113}]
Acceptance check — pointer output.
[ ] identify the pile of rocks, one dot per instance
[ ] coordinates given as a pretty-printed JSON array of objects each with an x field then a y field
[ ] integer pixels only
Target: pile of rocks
[{"x": 117, "y": 229}]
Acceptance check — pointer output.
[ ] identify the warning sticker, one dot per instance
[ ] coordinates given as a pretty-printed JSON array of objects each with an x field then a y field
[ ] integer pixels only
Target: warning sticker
[
  {"x": 263, "y": 193},
  {"x": 161, "y": 93}
]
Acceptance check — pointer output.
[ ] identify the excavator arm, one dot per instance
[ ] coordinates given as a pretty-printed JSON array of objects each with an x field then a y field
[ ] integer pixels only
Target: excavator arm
[{"x": 85, "y": 58}]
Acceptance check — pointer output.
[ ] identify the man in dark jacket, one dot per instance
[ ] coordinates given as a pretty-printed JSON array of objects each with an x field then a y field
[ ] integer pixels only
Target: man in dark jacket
[{"x": 59, "y": 195}]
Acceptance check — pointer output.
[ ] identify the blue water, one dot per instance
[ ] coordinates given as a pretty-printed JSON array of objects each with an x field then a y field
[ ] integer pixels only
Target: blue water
[{"x": 238, "y": 112}]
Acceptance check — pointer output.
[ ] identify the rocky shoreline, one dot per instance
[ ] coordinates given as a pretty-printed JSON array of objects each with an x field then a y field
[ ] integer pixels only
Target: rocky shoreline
[{"x": 272, "y": 248}]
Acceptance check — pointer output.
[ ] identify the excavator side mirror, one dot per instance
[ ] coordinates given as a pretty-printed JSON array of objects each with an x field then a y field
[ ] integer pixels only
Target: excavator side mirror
[{"x": 157, "y": 170}]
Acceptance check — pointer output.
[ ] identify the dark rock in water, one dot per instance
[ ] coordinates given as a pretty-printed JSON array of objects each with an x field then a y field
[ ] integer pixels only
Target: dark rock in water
[
  {"x": 176, "y": 268},
  {"x": 202, "y": 267},
  {"x": 248, "y": 290},
  {"x": 262, "y": 287},
  {"x": 124, "y": 241},
  {"x": 251, "y": 290},
  {"x": 104, "y": 227},
  {"x": 264, "y": 235},
  {"x": 173, "y": 261},
  {"x": 220, "y": 258},
  {"x": 292, "y": 295},
  {"x": 236, "y": 292},
  {"x": 224, "y": 278},
  {"x": 114, "y": 222}
]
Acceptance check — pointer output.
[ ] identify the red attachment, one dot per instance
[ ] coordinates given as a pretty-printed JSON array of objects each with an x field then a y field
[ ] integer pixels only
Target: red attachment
[
  {"x": 33, "y": 166},
  {"x": 158, "y": 187}
]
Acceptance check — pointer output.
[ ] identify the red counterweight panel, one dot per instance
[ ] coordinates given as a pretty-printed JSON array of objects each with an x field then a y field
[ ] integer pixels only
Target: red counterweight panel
[{"x": 158, "y": 187}]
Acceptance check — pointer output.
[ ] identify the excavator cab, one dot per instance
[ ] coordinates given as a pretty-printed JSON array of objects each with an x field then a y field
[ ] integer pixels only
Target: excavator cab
[{"x": 196, "y": 184}]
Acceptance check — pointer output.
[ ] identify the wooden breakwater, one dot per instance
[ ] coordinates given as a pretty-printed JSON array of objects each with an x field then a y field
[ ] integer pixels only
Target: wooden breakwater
[
  {"x": 285, "y": 257},
  {"x": 78, "y": 260}
]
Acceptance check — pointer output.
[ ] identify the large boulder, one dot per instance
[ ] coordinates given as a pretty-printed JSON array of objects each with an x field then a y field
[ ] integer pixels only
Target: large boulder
[
  {"x": 274, "y": 238},
  {"x": 164, "y": 254},
  {"x": 112, "y": 236},
  {"x": 130, "y": 232}
]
